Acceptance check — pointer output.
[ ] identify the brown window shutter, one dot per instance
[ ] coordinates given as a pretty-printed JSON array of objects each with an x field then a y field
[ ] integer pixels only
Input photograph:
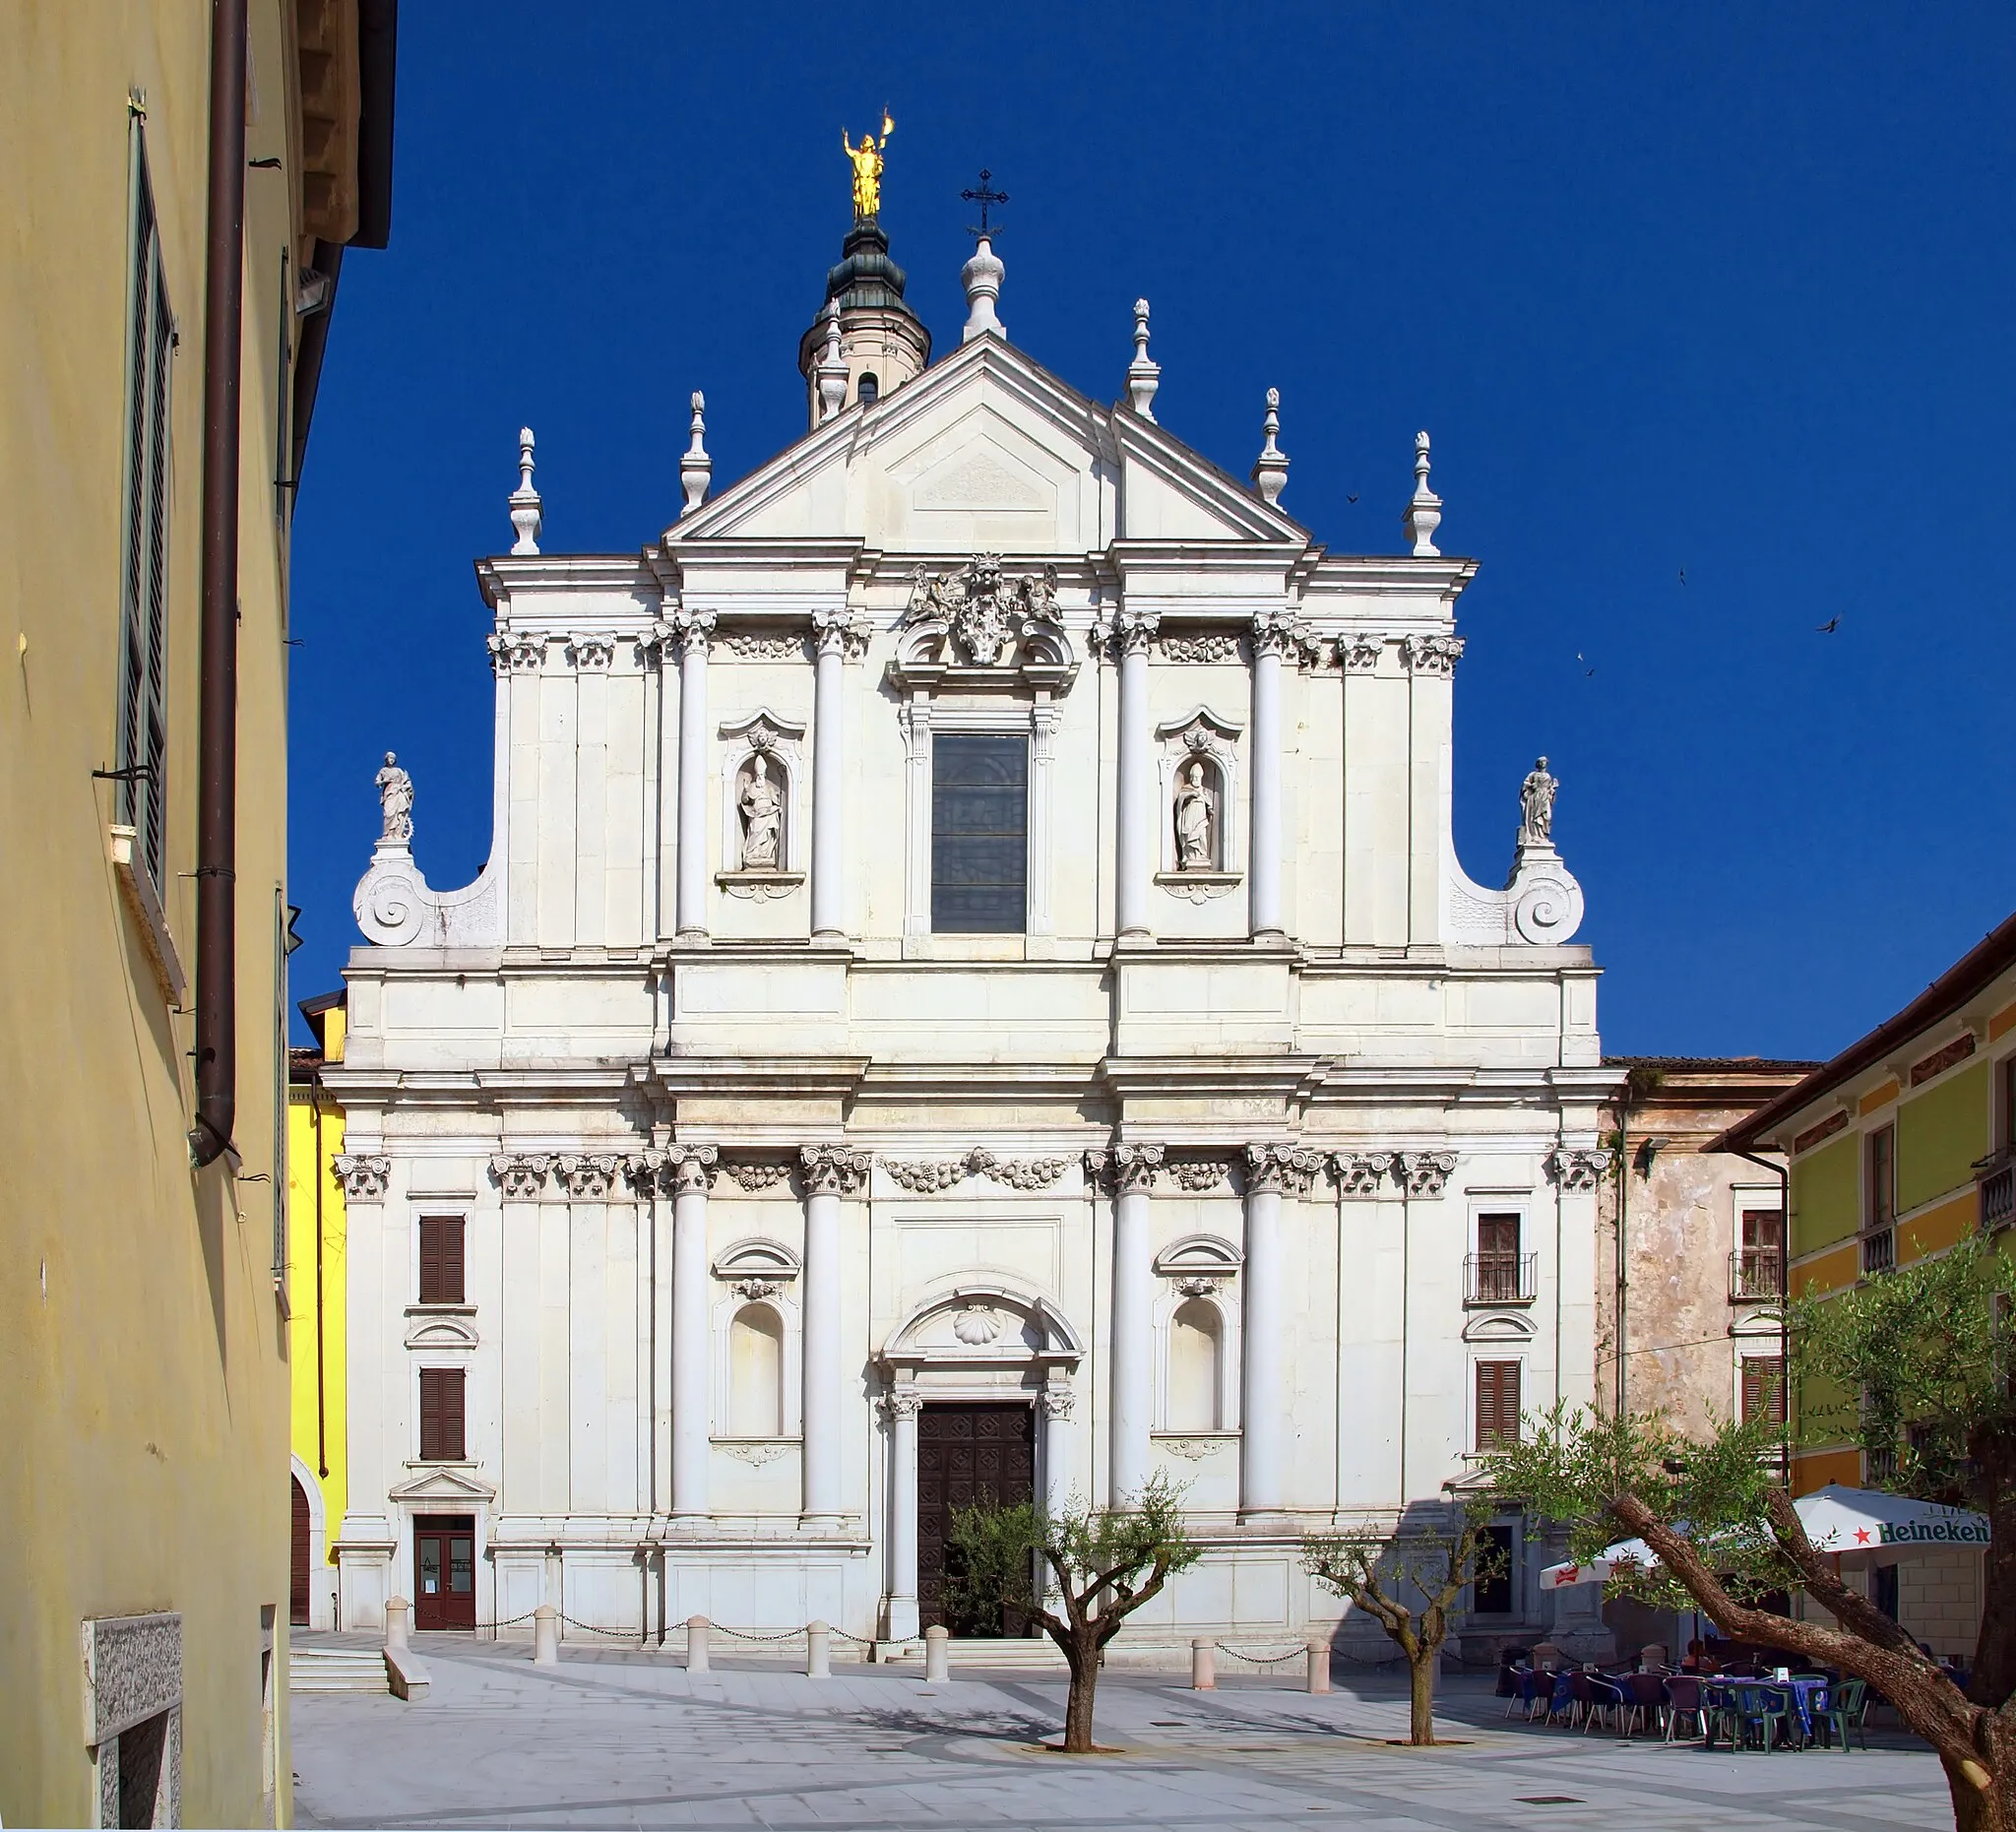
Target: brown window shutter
[
  {"x": 1763, "y": 1388},
  {"x": 430, "y": 1413},
  {"x": 451, "y": 1413},
  {"x": 1497, "y": 1402},
  {"x": 441, "y": 1258}
]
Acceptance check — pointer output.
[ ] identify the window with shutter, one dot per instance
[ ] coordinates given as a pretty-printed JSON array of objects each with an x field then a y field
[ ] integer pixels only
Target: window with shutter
[
  {"x": 1497, "y": 1402},
  {"x": 143, "y": 609},
  {"x": 1763, "y": 1391},
  {"x": 979, "y": 834},
  {"x": 441, "y": 1415},
  {"x": 441, "y": 1281}
]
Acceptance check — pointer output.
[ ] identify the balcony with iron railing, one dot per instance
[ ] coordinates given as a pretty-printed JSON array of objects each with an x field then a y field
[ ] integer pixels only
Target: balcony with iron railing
[
  {"x": 1501, "y": 1277},
  {"x": 1757, "y": 1275}
]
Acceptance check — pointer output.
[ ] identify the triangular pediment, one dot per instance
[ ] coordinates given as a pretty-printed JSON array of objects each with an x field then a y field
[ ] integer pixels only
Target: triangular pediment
[
  {"x": 988, "y": 450},
  {"x": 442, "y": 1485}
]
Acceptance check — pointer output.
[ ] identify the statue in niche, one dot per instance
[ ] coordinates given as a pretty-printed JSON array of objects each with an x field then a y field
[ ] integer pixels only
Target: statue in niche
[
  {"x": 395, "y": 802},
  {"x": 761, "y": 805},
  {"x": 1537, "y": 807},
  {"x": 1196, "y": 821}
]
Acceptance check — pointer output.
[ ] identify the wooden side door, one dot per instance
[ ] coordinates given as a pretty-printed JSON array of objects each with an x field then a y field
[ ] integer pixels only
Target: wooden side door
[
  {"x": 297, "y": 1569},
  {"x": 445, "y": 1571},
  {"x": 964, "y": 1454}
]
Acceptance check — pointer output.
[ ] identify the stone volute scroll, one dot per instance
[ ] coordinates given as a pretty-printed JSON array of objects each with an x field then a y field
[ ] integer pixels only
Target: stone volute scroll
[
  {"x": 393, "y": 903},
  {"x": 1541, "y": 902},
  {"x": 364, "y": 1175}
]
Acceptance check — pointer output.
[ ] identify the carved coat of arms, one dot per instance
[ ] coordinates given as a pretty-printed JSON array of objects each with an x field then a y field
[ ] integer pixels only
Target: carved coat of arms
[{"x": 983, "y": 609}]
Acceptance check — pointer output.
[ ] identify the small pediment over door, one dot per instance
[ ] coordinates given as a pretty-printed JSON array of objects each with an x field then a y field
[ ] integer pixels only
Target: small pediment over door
[{"x": 448, "y": 1487}]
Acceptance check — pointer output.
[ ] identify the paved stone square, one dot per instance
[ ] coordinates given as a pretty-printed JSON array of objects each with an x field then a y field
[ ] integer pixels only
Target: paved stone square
[{"x": 619, "y": 1738}]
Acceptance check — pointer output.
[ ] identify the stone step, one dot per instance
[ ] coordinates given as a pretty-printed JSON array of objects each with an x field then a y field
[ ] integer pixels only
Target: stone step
[{"x": 336, "y": 1670}]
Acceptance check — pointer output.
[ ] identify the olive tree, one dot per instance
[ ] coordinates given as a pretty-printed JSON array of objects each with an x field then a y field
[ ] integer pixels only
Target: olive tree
[
  {"x": 1377, "y": 1572},
  {"x": 1918, "y": 1361},
  {"x": 1078, "y": 1573}
]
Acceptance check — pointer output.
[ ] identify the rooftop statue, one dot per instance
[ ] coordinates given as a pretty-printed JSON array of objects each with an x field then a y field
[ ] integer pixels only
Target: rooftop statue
[{"x": 866, "y": 159}]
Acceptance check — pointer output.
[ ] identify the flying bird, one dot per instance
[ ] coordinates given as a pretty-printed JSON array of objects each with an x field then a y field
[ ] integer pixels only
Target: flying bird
[
  {"x": 1352, "y": 497},
  {"x": 1580, "y": 657},
  {"x": 1683, "y": 575},
  {"x": 1832, "y": 624}
]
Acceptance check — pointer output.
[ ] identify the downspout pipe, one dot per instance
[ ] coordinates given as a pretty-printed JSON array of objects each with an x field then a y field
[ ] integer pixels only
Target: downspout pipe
[
  {"x": 1783, "y": 1174},
  {"x": 216, "y": 803}
]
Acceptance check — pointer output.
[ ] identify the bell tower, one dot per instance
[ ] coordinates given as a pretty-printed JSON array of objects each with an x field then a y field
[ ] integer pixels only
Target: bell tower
[{"x": 880, "y": 342}]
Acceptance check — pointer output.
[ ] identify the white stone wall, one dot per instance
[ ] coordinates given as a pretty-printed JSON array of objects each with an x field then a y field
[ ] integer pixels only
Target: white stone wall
[{"x": 622, "y": 1054}]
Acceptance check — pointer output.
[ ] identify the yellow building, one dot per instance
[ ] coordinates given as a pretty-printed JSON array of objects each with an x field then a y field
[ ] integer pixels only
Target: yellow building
[
  {"x": 177, "y": 209},
  {"x": 1901, "y": 1145},
  {"x": 316, "y": 1280}
]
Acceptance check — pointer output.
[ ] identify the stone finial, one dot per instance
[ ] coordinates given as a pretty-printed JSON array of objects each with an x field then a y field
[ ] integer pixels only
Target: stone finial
[
  {"x": 1424, "y": 512},
  {"x": 526, "y": 517},
  {"x": 981, "y": 277},
  {"x": 696, "y": 468},
  {"x": 832, "y": 369},
  {"x": 1270, "y": 469},
  {"x": 1142, "y": 376}
]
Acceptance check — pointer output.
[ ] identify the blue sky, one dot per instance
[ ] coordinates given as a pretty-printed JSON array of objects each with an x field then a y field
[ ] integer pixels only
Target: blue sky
[{"x": 1716, "y": 291}]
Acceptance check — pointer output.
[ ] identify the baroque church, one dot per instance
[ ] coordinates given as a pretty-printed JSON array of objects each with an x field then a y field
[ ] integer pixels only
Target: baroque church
[{"x": 973, "y": 989}]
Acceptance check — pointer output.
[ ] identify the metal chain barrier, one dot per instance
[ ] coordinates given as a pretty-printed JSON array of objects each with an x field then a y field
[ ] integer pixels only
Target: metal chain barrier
[
  {"x": 592, "y": 1628},
  {"x": 1264, "y": 1660},
  {"x": 510, "y": 1621},
  {"x": 745, "y": 1634}
]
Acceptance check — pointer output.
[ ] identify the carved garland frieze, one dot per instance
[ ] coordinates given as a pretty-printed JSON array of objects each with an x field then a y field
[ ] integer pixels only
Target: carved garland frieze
[
  {"x": 929, "y": 1175},
  {"x": 1210, "y": 645},
  {"x": 753, "y": 1177},
  {"x": 363, "y": 1174},
  {"x": 764, "y": 645},
  {"x": 1197, "y": 1174},
  {"x": 1577, "y": 1171}
]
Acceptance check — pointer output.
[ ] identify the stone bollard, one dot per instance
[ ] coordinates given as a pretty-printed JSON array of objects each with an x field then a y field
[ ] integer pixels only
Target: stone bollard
[
  {"x": 937, "y": 1653},
  {"x": 1202, "y": 1664},
  {"x": 818, "y": 1651},
  {"x": 696, "y": 1644},
  {"x": 1320, "y": 1666},
  {"x": 545, "y": 1637},
  {"x": 396, "y": 1623}
]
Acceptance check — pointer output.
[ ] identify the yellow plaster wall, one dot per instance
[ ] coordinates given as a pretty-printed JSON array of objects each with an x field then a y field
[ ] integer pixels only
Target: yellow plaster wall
[
  {"x": 143, "y": 1354},
  {"x": 1939, "y": 1135},
  {"x": 320, "y": 1431},
  {"x": 1826, "y": 1194},
  {"x": 1939, "y": 1229}
]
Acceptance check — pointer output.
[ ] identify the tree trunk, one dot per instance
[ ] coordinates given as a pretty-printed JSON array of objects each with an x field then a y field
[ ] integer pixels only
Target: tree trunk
[
  {"x": 1421, "y": 1672},
  {"x": 1993, "y": 1679},
  {"x": 1082, "y": 1656}
]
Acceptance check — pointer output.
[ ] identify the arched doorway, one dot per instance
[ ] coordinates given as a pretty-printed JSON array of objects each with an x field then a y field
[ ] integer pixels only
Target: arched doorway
[{"x": 300, "y": 1566}]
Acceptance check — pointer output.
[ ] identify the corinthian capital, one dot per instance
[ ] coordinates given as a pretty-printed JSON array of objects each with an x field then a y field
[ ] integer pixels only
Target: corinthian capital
[
  {"x": 833, "y": 1170},
  {"x": 363, "y": 1174},
  {"x": 1276, "y": 632},
  {"x": 1283, "y": 1168},
  {"x": 691, "y": 629},
  {"x": 1424, "y": 1173},
  {"x": 841, "y": 632},
  {"x": 1578, "y": 1171},
  {"x": 692, "y": 1167},
  {"x": 521, "y": 1176}
]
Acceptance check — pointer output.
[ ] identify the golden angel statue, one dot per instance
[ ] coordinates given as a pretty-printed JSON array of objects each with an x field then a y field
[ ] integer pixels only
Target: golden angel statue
[{"x": 866, "y": 159}]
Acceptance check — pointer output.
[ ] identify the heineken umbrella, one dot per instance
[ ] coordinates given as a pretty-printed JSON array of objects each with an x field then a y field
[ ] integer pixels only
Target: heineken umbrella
[{"x": 1860, "y": 1526}]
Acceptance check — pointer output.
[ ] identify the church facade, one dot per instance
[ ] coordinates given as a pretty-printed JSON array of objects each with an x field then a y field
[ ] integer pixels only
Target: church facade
[{"x": 973, "y": 985}]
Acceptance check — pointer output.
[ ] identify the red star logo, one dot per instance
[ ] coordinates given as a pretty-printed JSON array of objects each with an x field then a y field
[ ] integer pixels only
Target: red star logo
[
  {"x": 1569, "y": 1573},
  {"x": 1862, "y": 1536}
]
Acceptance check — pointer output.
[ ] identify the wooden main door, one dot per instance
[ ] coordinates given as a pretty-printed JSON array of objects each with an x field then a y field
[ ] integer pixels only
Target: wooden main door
[
  {"x": 964, "y": 1454},
  {"x": 445, "y": 1571}
]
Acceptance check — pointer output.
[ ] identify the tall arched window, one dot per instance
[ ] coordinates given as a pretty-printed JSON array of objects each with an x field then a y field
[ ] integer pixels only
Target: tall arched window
[
  {"x": 756, "y": 1373},
  {"x": 1195, "y": 1343}
]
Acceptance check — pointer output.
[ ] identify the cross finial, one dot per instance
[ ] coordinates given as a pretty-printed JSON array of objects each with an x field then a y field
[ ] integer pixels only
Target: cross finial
[{"x": 985, "y": 196}]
